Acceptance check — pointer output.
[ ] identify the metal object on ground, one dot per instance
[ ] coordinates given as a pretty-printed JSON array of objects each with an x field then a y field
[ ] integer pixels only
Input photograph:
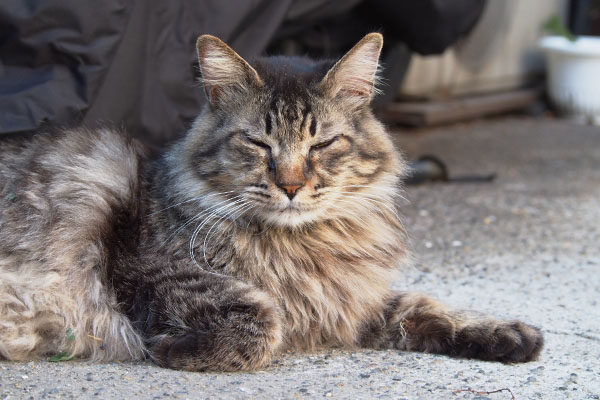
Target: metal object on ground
[{"x": 430, "y": 168}]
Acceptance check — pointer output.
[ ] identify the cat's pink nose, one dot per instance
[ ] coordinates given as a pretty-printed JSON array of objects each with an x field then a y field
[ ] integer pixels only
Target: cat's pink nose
[{"x": 290, "y": 189}]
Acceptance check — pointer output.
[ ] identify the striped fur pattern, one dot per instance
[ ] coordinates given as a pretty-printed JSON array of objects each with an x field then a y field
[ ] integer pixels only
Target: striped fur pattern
[{"x": 272, "y": 225}]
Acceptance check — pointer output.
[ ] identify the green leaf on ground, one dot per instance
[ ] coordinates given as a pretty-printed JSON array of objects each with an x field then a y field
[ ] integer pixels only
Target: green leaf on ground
[{"x": 62, "y": 356}]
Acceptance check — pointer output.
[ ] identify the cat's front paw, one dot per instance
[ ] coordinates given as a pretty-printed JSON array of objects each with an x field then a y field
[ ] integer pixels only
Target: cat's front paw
[
  {"x": 512, "y": 341},
  {"x": 240, "y": 336}
]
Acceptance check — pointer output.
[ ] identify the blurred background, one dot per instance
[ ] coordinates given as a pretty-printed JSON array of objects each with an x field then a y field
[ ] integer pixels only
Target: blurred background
[{"x": 132, "y": 64}]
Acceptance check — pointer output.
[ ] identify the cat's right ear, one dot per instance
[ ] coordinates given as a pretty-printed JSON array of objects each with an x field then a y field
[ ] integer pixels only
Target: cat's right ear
[{"x": 224, "y": 72}]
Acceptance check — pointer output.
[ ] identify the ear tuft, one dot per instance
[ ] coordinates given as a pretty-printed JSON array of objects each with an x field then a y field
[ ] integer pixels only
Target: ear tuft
[
  {"x": 223, "y": 70},
  {"x": 354, "y": 76}
]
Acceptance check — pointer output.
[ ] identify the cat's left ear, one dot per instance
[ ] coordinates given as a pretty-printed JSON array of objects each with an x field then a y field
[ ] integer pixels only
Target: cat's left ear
[
  {"x": 354, "y": 76},
  {"x": 224, "y": 72}
]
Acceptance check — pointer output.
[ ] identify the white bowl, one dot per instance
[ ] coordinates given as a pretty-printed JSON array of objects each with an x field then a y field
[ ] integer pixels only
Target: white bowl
[{"x": 574, "y": 75}]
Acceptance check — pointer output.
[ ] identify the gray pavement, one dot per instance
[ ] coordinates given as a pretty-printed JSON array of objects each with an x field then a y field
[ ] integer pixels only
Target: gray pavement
[{"x": 525, "y": 246}]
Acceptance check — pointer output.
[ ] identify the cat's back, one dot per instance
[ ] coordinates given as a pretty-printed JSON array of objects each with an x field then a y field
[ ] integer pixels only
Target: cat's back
[
  {"x": 79, "y": 151},
  {"x": 71, "y": 179}
]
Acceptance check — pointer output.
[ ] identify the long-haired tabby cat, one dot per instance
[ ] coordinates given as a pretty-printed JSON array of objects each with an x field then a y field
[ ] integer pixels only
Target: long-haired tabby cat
[{"x": 271, "y": 225}]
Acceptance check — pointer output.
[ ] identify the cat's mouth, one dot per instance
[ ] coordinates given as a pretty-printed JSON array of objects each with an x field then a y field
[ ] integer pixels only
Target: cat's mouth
[{"x": 284, "y": 212}]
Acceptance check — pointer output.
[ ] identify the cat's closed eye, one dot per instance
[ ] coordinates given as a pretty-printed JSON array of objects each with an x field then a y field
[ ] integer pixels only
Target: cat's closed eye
[
  {"x": 257, "y": 142},
  {"x": 325, "y": 144},
  {"x": 263, "y": 146}
]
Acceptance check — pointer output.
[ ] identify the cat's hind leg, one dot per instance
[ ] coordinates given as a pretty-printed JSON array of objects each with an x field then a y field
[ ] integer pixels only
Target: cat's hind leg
[{"x": 414, "y": 322}]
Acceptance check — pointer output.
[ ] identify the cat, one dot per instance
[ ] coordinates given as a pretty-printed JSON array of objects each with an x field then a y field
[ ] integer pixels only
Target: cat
[{"x": 271, "y": 226}]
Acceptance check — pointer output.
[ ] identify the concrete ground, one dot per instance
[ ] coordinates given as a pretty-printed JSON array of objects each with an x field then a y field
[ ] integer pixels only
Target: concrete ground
[{"x": 524, "y": 246}]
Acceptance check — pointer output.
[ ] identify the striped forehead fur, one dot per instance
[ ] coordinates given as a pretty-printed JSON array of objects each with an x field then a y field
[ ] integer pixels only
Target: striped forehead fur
[{"x": 292, "y": 81}]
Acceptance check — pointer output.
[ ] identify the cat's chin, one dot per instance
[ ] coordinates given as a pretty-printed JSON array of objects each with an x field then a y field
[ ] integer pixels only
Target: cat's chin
[{"x": 292, "y": 218}]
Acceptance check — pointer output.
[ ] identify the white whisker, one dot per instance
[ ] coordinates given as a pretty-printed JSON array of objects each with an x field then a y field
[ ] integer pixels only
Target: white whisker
[
  {"x": 377, "y": 199},
  {"x": 198, "y": 216},
  {"x": 243, "y": 206},
  {"x": 224, "y": 208},
  {"x": 393, "y": 191},
  {"x": 391, "y": 210},
  {"x": 189, "y": 201},
  {"x": 352, "y": 213}
]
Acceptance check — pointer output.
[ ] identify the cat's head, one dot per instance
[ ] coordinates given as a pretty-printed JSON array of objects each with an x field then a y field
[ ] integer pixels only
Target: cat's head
[{"x": 287, "y": 140}]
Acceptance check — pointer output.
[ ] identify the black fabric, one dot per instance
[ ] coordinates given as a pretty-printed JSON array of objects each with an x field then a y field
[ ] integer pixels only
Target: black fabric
[
  {"x": 126, "y": 62},
  {"x": 427, "y": 27},
  {"x": 54, "y": 58},
  {"x": 131, "y": 63}
]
